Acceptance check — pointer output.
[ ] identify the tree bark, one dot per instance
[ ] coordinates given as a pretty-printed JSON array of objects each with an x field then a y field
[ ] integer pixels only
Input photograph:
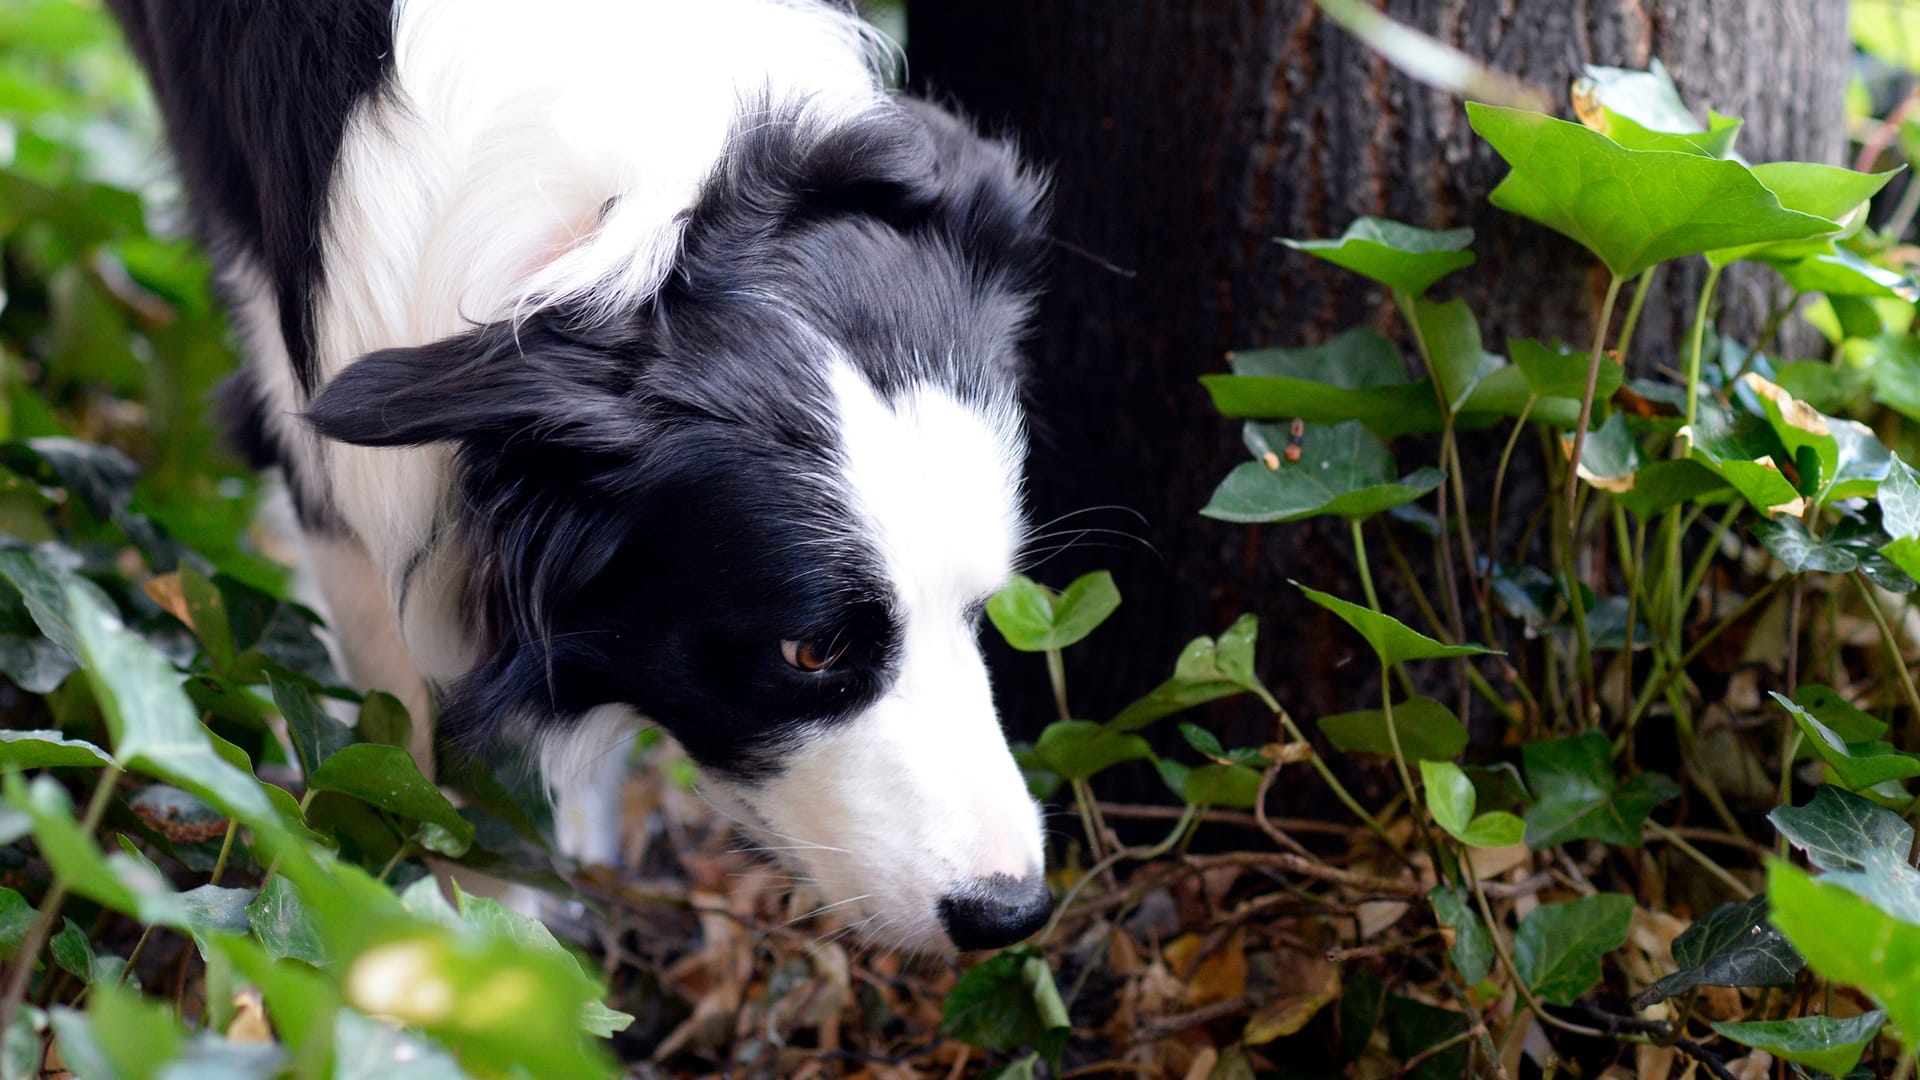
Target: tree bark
[{"x": 1184, "y": 137}]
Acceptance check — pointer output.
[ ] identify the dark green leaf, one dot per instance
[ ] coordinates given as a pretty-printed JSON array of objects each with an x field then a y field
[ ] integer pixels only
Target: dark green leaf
[
  {"x": 1008, "y": 1002},
  {"x": 1356, "y": 376},
  {"x": 1848, "y": 939},
  {"x": 1413, "y": 1027},
  {"x": 1799, "y": 551},
  {"x": 386, "y": 777},
  {"x": 315, "y": 735},
  {"x": 384, "y": 720},
  {"x": 1734, "y": 945},
  {"x": 1578, "y": 797},
  {"x": 1472, "y": 948},
  {"x": 280, "y": 920},
  {"x": 1558, "y": 373},
  {"x": 1558, "y": 947},
  {"x": 16, "y": 915},
  {"x": 1077, "y": 749},
  {"x": 1818, "y": 1042},
  {"x": 1402, "y": 257},
  {"x": 1343, "y": 470},
  {"x": 1428, "y": 730},
  {"x": 1857, "y": 765}
]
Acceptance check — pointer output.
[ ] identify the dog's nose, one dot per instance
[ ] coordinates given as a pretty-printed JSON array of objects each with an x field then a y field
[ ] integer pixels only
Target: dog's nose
[{"x": 993, "y": 912}]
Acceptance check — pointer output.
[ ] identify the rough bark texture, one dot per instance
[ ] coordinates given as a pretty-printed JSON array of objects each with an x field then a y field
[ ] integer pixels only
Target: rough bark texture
[{"x": 1184, "y": 137}]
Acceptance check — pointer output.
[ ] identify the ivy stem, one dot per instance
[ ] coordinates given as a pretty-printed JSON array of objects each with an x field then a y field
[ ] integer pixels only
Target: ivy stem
[
  {"x": 1057, "y": 676},
  {"x": 42, "y": 928},
  {"x": 1083, "y": 801},
  {"x": 1632, "y": 322},
  {"x": 398, "y": 854},
  {"x": 1719, "y": 872},
  {"x": 1188, "y": 817},
  {"x": 1373, "y": 598},
  {"x": 1326, "y": 775},
  {"x": 1594, "y": 358},
  {"x": 1499, "y": 484},
  {"x": 1699, "y": 339},
  {"x": 1506, "y": 960},
  {"x": 226, "y": 849},
  {"x": 1889, "y": 640}
]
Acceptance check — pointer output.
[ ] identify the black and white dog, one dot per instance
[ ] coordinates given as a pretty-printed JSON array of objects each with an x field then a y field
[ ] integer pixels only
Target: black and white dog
[{"x": 642, "y": 359}]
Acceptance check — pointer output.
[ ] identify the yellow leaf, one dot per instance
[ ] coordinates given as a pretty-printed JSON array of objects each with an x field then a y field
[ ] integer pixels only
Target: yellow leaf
[
  {"x": 164, "y": 590},
  {"x": 1218, "y": 976}
]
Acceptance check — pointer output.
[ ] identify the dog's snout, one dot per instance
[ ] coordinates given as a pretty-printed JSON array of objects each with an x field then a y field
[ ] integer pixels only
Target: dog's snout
[{"x": 993, "y": 912}]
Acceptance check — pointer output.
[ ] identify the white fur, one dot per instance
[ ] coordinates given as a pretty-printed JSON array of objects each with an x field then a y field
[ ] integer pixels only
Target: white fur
[
  {"x": 917, "y": 795},
  {"x": 529, "y": 153}
]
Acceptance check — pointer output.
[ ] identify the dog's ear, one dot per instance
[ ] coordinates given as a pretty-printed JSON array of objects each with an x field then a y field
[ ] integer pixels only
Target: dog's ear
[
  {"x": 989, "y": 203},
  {"x": 490, "y": 386}
]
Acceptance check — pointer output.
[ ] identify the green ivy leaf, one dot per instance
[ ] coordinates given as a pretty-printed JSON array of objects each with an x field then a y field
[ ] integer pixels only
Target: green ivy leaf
[
  {"x": 279, "y": 918},
  {"x": 1848, "y": 939},
  {"x": 1800, "y": 551},
  {"x": 1745, "y": 453},
  {"x": 1823, "y": 191},
  {"x": 491, "y": 918},
  {"x": 1662, "y": 485},
  {"x": 1078, "y": 749},
  {"x": 1428, "y": 730},
  {"x": 1840, "y": 272},
  {"x": 1899, "y": 498},
  {"x": 118, "y": 882},
  {"x": 1847, "y": 720},
  {"x": 1642, "y": 110},
  {"x": 16, "y": 916},
  {"x": 1452, "y": 799},
  {"x": 315, "y": 735},
  {"x": 1862, "y": 847},
  {"x": 1551, "y": 372},
  {"x": 1034, "y": 618},
  {"x": 1008, "y": 1002},
  {"x": 48, "y": 750},
  {"x": 1343, "y": 470},
  {"x": 1404, "y": 258},
  {"x": 387, "y": 777},
  {"x": 1578, "y": 797},
  {"x": 368, "y": 1050},
  {"x": 1206, "y": 670},
  {"x": 384, "y": 720},
  {"x": 1858, "y": 765},
  {"x": 1472, "y": 948},
  {"x": 1414, "y": 1027},
  {"x": 1393, "y": 641},
  {"x": 1558, "y": 946},
  {"x": 1632, "y": 208},
  {"x": 1734, "y": 945},
  {"x": 1817, "y": 1042},
  {"x": 1358, "y": 375}
]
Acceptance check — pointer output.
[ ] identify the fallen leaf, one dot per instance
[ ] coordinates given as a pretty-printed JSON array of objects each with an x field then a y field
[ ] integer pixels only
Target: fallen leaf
[{"x": 1291, "y": 1013}]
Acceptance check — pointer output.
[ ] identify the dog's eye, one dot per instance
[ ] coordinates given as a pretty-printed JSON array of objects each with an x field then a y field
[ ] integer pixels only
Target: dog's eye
[{"x": 812, "y": 655}]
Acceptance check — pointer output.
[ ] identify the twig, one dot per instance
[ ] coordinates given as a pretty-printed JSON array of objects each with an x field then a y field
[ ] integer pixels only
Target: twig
[
  {"x": 1294, "y": 864},
  {"x": 1173, "y": 1025},
  {"x": 1705, "y": 1057},
  {"x": 1436, "y": 1050}
]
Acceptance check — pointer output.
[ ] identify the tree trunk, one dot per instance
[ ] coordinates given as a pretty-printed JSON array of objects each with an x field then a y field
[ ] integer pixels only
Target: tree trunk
[{"x": 1184, "y": 137}]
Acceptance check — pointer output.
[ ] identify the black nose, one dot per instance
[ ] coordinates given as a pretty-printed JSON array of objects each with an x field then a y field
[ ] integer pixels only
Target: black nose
[{"x": 993, "y": 912}]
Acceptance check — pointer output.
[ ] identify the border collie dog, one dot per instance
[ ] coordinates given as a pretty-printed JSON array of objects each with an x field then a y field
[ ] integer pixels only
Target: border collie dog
[{"x": 642, "y": 360}]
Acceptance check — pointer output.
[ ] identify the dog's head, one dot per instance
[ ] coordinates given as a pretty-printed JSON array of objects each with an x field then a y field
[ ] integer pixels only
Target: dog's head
[{"x": 766, "y": 506}]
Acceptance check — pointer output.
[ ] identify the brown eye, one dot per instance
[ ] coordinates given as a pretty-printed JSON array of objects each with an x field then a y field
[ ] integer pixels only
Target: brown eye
[{"x": 811, "y": 655}]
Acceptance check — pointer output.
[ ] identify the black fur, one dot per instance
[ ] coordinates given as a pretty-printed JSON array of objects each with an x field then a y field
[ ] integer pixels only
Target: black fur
[
  {"x": 256, "y": 96},
  {"x": 647, "y": 497},
  {"x": 647, "y": 502}
]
